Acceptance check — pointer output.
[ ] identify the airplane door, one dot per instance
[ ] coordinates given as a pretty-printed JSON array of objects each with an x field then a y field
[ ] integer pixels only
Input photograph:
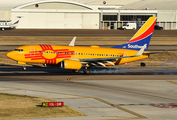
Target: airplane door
[{"x": 32, "y": 51}]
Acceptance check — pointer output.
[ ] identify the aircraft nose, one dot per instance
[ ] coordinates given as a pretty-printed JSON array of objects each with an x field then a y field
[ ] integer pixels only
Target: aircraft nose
[{"x": 10, "y": 55}]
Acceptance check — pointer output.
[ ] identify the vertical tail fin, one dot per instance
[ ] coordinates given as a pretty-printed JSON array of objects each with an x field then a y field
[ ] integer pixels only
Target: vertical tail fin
[
  {"x": 143, "y": 36},
  {"x": 16, "y": 22}
]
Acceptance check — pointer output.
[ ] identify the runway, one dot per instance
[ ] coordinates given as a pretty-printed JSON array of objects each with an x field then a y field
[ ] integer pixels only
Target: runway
[
  {"x": 12, "y": 70},
  {"x": 101, "y": 99},
  {"x": 125, "y": 93}
]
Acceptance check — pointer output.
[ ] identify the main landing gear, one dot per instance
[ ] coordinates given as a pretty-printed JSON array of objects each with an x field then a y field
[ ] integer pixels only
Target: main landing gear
[
  {"x": 86, "y": 71},
  {"x": 143, "y": 64}
]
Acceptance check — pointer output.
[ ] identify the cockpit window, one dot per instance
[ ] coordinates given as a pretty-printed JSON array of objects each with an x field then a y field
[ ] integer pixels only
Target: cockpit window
[{"x": 20, "y": 50}]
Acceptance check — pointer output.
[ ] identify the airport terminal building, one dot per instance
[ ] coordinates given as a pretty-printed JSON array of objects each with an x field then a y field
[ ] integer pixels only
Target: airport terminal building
[{"x": 87, "y": 14}]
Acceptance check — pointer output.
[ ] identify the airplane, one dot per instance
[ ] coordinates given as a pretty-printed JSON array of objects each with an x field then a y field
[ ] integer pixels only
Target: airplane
[
  {"x": 76, "y": 57},
  {"x": 10, "y": 25}
]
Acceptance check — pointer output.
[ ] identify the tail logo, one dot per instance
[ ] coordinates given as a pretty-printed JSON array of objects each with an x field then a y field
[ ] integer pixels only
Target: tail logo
[
  {"x": 135, "y": 46},
  {"x": 143, "y": 36}
]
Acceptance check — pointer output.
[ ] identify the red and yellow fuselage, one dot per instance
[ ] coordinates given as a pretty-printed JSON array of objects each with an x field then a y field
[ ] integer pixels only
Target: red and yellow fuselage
[{"x": 53, "y": 54}]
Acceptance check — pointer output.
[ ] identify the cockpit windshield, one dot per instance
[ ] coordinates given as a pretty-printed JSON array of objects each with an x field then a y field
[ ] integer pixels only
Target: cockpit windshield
[{"x": 20, "y": 50}]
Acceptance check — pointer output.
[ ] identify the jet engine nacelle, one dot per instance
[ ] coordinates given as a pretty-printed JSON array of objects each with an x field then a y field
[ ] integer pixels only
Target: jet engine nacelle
[{"x": 71, "y": 64}]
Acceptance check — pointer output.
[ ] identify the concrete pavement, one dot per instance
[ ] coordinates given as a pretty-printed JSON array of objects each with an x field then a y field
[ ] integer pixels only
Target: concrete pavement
[{"x": 104, "y": 99}]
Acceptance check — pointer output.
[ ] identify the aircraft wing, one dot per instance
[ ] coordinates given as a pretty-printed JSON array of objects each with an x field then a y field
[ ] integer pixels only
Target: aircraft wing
[
  {"x": 114, "y": 58},
  {"x": 104, "y": 59},
  {"x": 101, "y": 61}
]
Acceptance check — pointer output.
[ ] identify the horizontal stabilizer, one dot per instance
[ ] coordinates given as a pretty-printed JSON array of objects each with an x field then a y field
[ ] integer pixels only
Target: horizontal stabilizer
[
  {"x": 141, "y": 50},
  {"x": 155, "y": 52}
]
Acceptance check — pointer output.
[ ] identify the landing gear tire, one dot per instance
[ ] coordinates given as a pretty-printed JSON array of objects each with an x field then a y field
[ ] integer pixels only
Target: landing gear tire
[
  {"x": 75, "y": 71},
  {"x": 143, "y": 64},
  {"x": 24, "y": 68},
  {"x": 86, "y": 71}
]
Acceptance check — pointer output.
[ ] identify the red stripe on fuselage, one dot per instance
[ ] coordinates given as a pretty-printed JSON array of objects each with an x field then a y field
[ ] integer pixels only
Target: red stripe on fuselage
[
  {"x": 42, "y": 47},
  {"x": 50, "y": 47},
  {"x": 46, "y": 47},
  {"x": 47, "y": 61}
]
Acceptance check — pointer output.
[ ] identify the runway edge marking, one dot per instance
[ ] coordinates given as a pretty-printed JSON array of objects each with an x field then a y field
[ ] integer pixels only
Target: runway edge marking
[
  {"x": 171, "y": 82},
  {"x": 116, "y": 106},
  {"x": 121, "y": 108}
]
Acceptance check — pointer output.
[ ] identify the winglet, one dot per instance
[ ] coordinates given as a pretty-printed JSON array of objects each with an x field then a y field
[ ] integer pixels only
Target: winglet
[
  {"x": 72, "y": 42},
  {"x": 141, "y": 50}
]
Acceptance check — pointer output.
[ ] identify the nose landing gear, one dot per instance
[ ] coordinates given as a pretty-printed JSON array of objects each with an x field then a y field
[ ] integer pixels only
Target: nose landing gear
[{"x": 75, "y": 71}]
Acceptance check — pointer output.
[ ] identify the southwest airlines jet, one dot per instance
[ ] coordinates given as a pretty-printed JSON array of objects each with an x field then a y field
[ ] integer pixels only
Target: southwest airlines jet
[{"x": 75, "y": 58}]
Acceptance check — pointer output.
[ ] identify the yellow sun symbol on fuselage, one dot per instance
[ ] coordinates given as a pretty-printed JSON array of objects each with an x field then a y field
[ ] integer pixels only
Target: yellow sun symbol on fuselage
[{"x": 49, "y": 54}]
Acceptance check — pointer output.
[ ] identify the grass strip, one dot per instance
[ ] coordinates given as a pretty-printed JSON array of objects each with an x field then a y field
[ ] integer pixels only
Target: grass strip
[
  {"x": 27, "y": 107},
  {"x": 86, "y": 40}
]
